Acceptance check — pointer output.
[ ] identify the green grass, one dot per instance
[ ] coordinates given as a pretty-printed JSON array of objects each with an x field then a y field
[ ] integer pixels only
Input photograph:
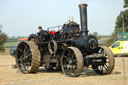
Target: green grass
[{"x": 9, "y": 44}]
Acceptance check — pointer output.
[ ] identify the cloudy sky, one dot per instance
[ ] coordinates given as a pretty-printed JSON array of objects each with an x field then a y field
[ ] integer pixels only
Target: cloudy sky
[{"x": 22, "y": 17}]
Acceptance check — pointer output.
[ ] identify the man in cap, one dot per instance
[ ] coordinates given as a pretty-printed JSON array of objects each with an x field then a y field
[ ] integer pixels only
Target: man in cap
[{"x": 43, "y": 35}]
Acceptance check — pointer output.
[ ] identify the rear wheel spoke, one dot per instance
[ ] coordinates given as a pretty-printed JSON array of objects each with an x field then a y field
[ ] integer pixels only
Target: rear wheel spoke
[
  {"x": 66, "y": 57},
  {"x": 20, "y": 50}
]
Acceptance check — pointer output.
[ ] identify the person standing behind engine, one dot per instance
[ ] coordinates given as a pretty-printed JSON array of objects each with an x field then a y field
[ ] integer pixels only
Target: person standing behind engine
[
  {"x": 43, "y": 35},
  {"x": 40, "y": 29}
]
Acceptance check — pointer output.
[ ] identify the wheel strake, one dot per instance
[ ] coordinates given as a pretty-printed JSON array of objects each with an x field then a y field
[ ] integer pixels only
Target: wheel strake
[{"x": 28, "y": 57}]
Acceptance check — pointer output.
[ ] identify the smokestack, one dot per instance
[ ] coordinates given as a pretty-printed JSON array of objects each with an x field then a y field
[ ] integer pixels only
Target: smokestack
[{"x": 83, "y": 19}]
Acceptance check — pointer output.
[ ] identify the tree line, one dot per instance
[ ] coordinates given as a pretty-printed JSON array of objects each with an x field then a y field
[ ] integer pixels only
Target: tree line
[
  {"x": 3, "y": 38},
  {"x": 121, "y": 24},
  {"x": 122, "y": 19}
]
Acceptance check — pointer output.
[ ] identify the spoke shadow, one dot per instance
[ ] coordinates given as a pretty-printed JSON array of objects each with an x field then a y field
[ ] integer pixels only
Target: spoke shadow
[
  {"x": 86, "y": 72},
  {"x": 43, "y": 70},
  {"x": 115, "y": 73},
  {"x": 89, "y": 72}
]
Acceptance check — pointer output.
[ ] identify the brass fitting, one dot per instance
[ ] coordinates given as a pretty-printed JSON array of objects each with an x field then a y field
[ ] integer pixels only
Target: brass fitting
[{"x": 83, "y": 5}]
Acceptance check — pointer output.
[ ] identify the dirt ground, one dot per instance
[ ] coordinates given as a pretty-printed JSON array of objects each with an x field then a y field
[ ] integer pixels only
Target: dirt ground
[{"x": 9, "y": 76}]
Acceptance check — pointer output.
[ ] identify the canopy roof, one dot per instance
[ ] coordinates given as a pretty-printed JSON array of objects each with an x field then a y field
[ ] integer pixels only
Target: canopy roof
[{"x": 24, "y": 39}]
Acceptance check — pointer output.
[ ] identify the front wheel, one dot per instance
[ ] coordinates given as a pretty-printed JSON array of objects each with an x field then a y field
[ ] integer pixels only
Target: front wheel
[
  {"x": 72, "y": 62},
  {"x": 108, "y": 67}
]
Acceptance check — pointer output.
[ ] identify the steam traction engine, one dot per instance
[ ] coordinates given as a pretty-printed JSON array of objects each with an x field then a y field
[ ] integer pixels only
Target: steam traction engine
[{"x": 69, "y": 50}]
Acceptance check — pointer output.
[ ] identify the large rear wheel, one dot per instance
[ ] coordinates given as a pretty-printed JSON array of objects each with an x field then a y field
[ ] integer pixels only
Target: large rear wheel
[
  {"x": 28, "y": 57},
  {"x": 72, "y": 62}
]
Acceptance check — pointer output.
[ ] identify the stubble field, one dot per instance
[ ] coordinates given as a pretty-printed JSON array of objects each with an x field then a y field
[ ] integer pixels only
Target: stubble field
[{"x": 9, "y": 76}]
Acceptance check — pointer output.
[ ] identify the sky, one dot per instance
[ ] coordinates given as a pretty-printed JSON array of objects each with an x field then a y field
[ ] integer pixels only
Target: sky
[{"x": 22, "y": 17}]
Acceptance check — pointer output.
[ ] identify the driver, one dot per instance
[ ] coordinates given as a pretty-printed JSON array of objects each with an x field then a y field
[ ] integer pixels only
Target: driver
[
  {"x": 40, "y": 29},
  {"x": 43, "y": 35}
]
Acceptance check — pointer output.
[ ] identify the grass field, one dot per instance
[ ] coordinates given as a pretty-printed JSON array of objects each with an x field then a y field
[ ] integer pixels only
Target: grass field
[{"x": 9, "y": 44}]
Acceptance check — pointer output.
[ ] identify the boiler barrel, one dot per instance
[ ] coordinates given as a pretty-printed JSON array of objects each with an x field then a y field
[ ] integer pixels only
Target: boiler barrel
[{"x": 83, "y": 19}]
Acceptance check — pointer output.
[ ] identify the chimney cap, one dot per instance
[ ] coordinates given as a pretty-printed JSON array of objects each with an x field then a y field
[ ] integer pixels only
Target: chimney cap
[{"x": 83, "y": 5}]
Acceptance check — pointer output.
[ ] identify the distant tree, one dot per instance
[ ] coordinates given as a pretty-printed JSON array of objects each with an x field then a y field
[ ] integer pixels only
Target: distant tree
[
  {"x": 125, "y": 3},
  {"x": 95, "y": 34},
  {"x": 3, "y": 39},
  {"x": 122, "y": 18},
  {"x": 111, "y": 38}
]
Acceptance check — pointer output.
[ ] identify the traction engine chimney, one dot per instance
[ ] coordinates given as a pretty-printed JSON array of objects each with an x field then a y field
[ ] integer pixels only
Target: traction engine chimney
[{"x": 83, "y": 19}]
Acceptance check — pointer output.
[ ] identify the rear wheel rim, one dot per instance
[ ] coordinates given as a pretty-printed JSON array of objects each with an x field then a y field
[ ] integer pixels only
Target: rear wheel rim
[
  {"x": 28, "y": 57},
  {"x": 25, "y": 57}
]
